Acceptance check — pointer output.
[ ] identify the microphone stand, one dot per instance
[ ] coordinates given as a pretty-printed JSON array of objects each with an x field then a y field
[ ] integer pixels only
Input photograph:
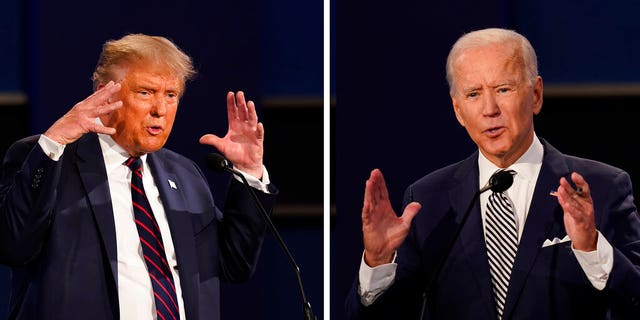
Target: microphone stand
[
  {"x": 450, "y": 245},
  {"x": 500, "y": 181},
  {"x": 308, "y": 313}
]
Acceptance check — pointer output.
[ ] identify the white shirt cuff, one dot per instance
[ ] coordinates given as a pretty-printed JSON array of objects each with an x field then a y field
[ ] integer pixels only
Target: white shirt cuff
[
  {"x": 254, "y": 182},
  {"x": 374, "y": 281},
  {"x": 51, "y": 148},
  {"x": 597, "y": 264}
]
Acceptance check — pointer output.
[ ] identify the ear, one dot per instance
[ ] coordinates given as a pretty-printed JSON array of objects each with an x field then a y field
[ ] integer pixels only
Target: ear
[
  {"x": 537, "y": 95},
  {"x": 456, "y": 109}
]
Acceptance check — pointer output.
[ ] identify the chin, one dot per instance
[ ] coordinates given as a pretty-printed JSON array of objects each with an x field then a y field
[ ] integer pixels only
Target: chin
[{"x": 152, "y": 147}]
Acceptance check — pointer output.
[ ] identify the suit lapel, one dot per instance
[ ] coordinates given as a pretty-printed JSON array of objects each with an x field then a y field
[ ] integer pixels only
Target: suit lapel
[
  {"x": 471, "y": 236},
  {"x": 93, "y": 174},
  {"x": 173, "y": 200},
  {"x": 544, "y": 221}
]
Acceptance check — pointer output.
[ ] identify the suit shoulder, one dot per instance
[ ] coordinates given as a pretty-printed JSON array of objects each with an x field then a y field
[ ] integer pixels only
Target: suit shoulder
[
  {"x": 176, "y": 162},
  {"x": 592, "y": 166},
  {"x": 580, "y": 164},
  {"x": 173, "y": 156},
  {"x": 438, "y": 179},
  {"x": 26, "y": 142},
  {"x": 22, "y": 146}
]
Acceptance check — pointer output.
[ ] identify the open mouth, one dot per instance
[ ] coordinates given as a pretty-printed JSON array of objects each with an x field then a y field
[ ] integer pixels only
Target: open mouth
[
  {"x": 494, "y": 131},
  {"x": 154, "y": 130}
]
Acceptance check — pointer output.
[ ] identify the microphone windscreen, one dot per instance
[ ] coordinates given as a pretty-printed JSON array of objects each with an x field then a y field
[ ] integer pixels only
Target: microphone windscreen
[
  {"x": 216, "y": 161},
  {"x": 501, "y": 180}
]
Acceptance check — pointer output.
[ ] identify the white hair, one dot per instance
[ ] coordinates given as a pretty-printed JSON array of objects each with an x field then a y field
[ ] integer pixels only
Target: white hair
[{"x": 484, "y": 37}]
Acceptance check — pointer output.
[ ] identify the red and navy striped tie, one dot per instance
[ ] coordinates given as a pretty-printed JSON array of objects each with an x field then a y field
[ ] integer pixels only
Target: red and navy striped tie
[{"x": 164, "y": 290}]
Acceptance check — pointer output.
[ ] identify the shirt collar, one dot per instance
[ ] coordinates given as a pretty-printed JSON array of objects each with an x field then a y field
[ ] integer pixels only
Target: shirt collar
[{"x": 526, "y": 166}]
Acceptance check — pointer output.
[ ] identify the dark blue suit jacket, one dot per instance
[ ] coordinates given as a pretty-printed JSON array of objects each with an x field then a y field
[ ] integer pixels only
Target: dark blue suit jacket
[
  {"x": 546, "y": 283},
  {"x": 58, "y": 235}
]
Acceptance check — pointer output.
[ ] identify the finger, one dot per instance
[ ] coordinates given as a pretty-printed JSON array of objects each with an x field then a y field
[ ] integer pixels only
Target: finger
[
  {"x": 372, "y": 189},
  {"x": 564, "y": 192},
  {"x": 368, "y": 190},
  {"x": 366, "y": 205},
  {"x": 568, "y": 200},
  {"x": 241, "y": 106},
  {"x": 580, "y": 183},
  {"x": 260, "y": 131},
  {"x": 97, "y": 128},
  {"x": 232, "y": 110},
  {"x": 105, "y": 109},
  {"x": 210, "y": 139},
  {"x": 252, "y": 115},
  {"x": 380, "y": 191},
  {"x": 410, "y": 211},
  {"x": 103, "y": 95},
  {"x": 102, "y": 87},
  {"x": 566, "y": 187}
]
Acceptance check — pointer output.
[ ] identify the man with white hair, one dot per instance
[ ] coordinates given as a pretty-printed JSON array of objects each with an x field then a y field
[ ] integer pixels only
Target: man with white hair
[{"x": 556, "y": 236}]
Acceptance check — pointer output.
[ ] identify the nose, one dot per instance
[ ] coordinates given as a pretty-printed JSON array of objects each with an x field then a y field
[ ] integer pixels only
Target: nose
[
  {"x": 490, "y": 105},
  {"x": 159, "y": 107}
]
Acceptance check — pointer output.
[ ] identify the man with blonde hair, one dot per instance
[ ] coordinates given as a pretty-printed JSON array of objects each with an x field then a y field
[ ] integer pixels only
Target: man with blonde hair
[{"x": 99, "y": 221}]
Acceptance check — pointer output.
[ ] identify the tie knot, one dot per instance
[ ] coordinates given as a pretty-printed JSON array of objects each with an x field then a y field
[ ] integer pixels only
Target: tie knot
[
  {"x": 501, "y": 180},
  {"x": 134, "y": 163}
]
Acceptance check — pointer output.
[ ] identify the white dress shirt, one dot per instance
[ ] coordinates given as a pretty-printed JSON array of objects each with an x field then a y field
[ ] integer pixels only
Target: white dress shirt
[
  {"x": 597, "y": 265},
  {"x": 135, "y": 292}
]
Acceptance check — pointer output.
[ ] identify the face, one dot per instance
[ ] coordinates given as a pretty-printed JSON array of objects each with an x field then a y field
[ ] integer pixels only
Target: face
[
  {"x": 150, "y": 94},
  {"x": 495, "y": 102}
]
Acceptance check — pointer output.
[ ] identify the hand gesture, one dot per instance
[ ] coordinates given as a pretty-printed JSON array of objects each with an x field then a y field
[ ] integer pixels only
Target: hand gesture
[
  {"x": 579, "y": 220},
  {"x": 82, "y": 117},
  {"x": 243, "y": 143},
  {"x": 383, "y": 231}
]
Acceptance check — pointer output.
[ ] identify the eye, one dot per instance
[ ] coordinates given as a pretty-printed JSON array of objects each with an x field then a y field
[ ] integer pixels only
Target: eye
[
  {"x": 172, "y": 95},
  {"x": 144, "y": 92},
  {"x": 472, "y": 94},
  {"x": 504, "y": 90}
]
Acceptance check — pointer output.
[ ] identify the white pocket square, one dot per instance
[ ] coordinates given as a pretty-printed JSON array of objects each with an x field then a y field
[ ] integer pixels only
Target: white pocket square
[{"x": 555, "y": 241}]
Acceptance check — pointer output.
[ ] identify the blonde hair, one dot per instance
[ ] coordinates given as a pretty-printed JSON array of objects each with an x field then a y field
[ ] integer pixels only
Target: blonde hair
[
  {"x": 484, "y": 37},
  {"x": 133, "y": 48}
]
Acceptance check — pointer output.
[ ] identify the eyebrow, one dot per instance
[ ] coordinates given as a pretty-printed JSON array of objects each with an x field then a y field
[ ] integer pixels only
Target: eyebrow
[
  {"x": 152, "y": 87},
  {"x": 469, "y": 89}
]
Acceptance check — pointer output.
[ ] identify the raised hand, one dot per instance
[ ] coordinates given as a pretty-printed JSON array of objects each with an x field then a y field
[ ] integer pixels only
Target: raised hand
[
  {"x": 579, "y": 220},
  {"x": 81, "y": 118},
  {"x": 243, "y": 143},
  {"x": 383, "y": 231}
]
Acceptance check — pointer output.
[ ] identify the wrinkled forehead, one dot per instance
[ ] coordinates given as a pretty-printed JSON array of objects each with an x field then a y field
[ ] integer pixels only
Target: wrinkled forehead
[
  {"x": 489, "y": 59},
  {"x": 133, "y": 70}
]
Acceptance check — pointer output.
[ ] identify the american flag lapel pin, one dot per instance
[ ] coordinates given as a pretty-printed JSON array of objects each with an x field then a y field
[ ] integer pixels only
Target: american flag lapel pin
[{"x": 172, "y": 184}]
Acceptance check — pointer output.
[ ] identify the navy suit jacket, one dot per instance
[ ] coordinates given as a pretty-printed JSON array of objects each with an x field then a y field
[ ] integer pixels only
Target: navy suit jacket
[
  {"x": 57, "y": 232},
  {"x": 546, "y": 283}
]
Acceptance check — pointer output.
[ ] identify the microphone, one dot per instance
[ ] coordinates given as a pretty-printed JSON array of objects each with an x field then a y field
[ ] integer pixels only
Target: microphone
[
  {"x": 218, "y": 162},
  {"x": 499, "y": 181}
]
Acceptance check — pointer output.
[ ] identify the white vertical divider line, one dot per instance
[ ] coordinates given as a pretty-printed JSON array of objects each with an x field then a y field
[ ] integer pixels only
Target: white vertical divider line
[{"x": 326, "y": 159}]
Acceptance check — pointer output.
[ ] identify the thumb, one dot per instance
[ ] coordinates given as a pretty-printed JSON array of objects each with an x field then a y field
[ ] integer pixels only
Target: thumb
[
  {"x": 410, "y": 211},
  {"x": 210, "y": 139}
]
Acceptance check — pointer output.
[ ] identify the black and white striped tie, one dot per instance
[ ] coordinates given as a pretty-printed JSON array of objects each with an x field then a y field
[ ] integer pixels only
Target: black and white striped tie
[{"x": 502, "y": 243}]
